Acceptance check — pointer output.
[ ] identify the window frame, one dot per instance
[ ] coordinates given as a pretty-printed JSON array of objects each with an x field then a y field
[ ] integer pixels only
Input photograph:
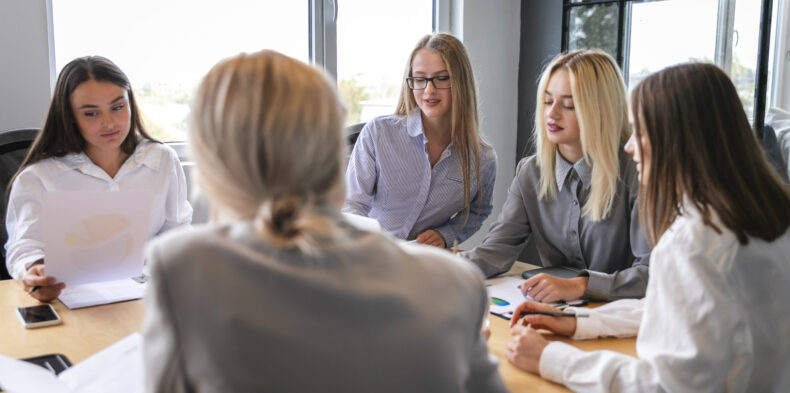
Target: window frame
[{"x": 723, "y": 52}]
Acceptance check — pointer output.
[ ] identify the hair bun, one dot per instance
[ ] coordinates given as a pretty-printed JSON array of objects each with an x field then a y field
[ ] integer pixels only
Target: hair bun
[{"x": 280, "y": 216}]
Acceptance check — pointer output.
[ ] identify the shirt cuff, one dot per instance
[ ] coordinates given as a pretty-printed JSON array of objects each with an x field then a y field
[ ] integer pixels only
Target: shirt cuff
[
  {"x": 448, "y": 234},
  {"x": 599, "y": 286},
  {"x": 21, "y": 266},
  {"x": 586, "y": 328},
  {"x": 555, "y": 359}
]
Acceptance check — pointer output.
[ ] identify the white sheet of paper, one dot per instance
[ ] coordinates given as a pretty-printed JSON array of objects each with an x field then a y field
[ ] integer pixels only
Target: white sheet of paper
[
  {"x": 362, "y": 222},
  {"x": 95, "y": 236},
  {"x": 22, "y": 377},
  {"x": 504, "y": 295},
  {"x": 93, "y": 294},
  {"x": 117, "y": 368}
]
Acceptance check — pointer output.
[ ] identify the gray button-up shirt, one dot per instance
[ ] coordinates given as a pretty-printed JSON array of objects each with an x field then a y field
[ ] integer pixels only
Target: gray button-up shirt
[{"x": 611, "y": 251}]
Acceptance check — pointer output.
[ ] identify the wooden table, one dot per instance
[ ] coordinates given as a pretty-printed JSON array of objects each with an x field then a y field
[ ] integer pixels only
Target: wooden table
[
  {"x": 521, "y": 381},
  {"x": 88, "y": 330},
  {"x": 83, "y": 332}
]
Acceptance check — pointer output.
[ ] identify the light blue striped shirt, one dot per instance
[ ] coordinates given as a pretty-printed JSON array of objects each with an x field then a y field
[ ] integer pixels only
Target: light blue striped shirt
[{"x": 389, "y": 178}]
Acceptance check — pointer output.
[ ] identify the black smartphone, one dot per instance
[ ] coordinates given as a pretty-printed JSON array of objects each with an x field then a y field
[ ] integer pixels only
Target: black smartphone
[{"x": 54, "y": 362}]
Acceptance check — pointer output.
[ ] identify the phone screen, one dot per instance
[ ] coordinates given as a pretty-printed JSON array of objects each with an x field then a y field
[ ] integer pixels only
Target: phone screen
[{"x": 37, "y": 314}]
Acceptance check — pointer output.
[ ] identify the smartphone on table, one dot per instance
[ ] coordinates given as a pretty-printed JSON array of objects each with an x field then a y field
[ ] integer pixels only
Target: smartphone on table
[{"x": 38, "y": 316}]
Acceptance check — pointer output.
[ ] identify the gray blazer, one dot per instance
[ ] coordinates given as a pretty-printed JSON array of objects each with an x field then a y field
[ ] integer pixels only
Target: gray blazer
[
  {"x": 612, "y": 252},
  {"x": 227, "y": 312}
]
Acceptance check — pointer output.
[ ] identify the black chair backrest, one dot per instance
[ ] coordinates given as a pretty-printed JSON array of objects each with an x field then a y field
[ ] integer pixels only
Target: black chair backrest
[
  {"x": 352, "y": 132},
  {"x": 774, "y": 152},
  {"x": 13, "y": 148}
]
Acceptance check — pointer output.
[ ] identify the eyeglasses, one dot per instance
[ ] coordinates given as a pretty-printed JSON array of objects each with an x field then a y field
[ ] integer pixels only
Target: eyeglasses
[{"x": 420, "y": 83}]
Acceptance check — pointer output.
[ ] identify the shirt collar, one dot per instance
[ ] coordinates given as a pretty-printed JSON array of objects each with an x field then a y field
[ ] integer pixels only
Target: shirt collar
[
  {"x": 562, "y": 169},
  {"x": 139, "y": 157},
  {"x": 414, "y": 124}
]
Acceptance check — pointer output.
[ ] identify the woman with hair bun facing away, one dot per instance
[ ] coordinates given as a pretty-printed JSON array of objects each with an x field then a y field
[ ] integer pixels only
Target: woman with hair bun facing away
[{"x": 281, "y": 294}]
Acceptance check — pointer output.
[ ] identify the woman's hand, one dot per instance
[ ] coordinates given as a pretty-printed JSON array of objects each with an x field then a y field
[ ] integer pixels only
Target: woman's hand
[
  {"x": 431, "y": 238},
  {"x": 38, "y": 285},
  {"x": 525, "y": 348},
  {"x": 548, "y": 289},
  {"x": 565, "y": 326}
]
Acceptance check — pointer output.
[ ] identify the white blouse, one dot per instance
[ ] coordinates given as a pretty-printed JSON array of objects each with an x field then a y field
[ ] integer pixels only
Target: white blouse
[
  {"x": 716, "y": 318},
  {"x": 153, "y": 167}
]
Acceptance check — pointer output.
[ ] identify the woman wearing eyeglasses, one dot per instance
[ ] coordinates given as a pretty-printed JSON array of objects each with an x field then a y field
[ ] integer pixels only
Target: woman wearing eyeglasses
[{"x": 424, "y": 172}]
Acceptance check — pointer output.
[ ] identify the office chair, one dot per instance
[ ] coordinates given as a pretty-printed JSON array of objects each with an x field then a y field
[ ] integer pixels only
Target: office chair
[
  {"x": 353, "y": 133},
  {"x": 13, "y": 148},
  {"x": 773, "y": 152}
]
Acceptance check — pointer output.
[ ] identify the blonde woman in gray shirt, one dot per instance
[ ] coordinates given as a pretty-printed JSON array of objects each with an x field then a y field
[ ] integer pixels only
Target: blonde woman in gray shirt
[
  {"x": 577, "y": 195},
  {"x": 283, "y": 295}
]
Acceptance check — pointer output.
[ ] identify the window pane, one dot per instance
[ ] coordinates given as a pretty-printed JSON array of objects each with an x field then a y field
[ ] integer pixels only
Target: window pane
[
  {"x": 746, "y": 40},
  {"x": 593, "y": 26},
  {"x": 374, "y": 40},
  {"x": 654, "y": 46},
  {"x": 165, "y": 47}
]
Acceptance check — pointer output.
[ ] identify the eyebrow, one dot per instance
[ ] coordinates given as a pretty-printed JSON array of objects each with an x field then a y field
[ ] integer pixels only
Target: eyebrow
[
  {"x": 96, "y": 106},
  {"x": 435, "y": 73},
  {"x": 562, "y": 96}
]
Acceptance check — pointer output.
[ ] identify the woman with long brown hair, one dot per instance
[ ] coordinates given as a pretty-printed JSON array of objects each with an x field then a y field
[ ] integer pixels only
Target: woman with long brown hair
[
  {"x": 715, "y": 316},
  {"x": 93, "y": 140}
]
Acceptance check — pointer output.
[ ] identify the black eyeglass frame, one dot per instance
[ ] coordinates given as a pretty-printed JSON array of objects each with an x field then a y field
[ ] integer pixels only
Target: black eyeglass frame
[{"x": 410, "y": 82}]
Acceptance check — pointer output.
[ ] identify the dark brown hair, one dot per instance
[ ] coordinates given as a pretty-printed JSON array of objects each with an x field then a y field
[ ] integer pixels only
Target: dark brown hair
[
  {"x": 704, "y": 151},
  {"x": 60, "y": 135}
]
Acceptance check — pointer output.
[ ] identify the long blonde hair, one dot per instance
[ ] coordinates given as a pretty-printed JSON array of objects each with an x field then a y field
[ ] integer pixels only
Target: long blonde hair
[
  {"x": 466, "y": 139},
  {"x": 267, "y": 139},
  {"x": 602, "y": 112}
]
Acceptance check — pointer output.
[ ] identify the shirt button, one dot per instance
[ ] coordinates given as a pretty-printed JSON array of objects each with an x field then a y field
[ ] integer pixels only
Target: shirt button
[
  {"x": 575, "y": 202},
  {"x": 573, "y": 233}
]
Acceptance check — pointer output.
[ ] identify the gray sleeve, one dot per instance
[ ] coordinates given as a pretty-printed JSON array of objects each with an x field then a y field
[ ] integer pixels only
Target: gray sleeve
[
  {"x": 507, "y": 236},
  {"x": 161, "y": 352},
  {"x": 630, "y": 282}
]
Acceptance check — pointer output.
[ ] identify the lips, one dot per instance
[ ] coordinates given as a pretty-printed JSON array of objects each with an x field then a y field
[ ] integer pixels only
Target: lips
[
  {"x": 110, "y": 134},
  {"x": 553, "y": 127},
  {"x": 431, "y": 102}
]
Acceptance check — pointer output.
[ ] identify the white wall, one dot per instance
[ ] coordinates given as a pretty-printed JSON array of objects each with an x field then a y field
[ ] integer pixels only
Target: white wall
[
  {"x": 24, "y": 66},
  {"x": 491, "y": 32}
]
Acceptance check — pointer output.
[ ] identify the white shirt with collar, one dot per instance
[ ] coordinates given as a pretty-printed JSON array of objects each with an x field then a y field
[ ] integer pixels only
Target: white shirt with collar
[
  {"x": 715, "y": 318},
  {"x": 152, "y": 167}
]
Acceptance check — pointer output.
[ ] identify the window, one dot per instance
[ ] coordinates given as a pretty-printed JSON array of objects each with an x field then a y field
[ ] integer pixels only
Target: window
[
  {"x": 646, "y": 36},
  {"x": 374, "y": 40},
  {"x": 165, "y": 47}
]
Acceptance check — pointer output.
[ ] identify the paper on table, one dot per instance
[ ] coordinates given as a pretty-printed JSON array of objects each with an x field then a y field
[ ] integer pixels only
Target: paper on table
[
  {"x": 504, "y": 295},
  {"x": 117, "y": 368},
  {"x": 95, "y": 236},
  {"x": 87, "y": 295},
  {"x": 362, "y": 222},
  {"x": 19, "y": 376}
]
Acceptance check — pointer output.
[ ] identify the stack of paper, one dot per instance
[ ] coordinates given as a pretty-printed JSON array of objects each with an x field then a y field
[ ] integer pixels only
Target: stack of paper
[{"x": 117, "y": 368}]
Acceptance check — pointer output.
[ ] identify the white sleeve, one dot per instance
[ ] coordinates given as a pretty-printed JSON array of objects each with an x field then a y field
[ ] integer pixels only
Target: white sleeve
[
  {"x": 688, "y": 331},
  {"x": 616, "y": 319},
  {"x": 178, "y": 211},
  {"x": 23, "y": 222}
]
